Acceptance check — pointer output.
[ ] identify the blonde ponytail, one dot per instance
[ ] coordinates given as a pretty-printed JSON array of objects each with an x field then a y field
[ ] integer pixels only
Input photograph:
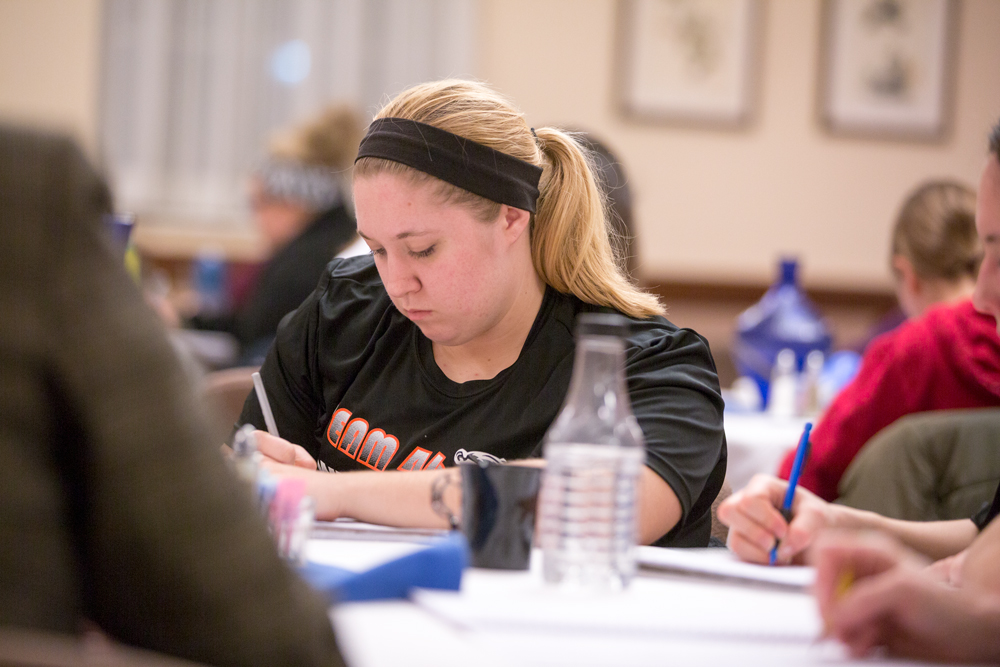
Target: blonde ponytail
[{"x": 570, "y": 246}]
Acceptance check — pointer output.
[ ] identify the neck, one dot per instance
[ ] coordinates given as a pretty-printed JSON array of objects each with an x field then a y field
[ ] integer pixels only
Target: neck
[
  {"x": 483, "y": 357},
  {"x": 942, "y": 292}
]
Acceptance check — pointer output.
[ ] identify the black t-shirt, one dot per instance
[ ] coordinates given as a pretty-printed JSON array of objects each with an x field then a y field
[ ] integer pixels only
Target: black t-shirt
[
  {"x": 354, "y": 382},
  {"x": 287, "y": 278}
]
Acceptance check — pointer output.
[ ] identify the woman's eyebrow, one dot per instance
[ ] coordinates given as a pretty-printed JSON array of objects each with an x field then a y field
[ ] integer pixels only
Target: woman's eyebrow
[{"x": 400, "y": 236}]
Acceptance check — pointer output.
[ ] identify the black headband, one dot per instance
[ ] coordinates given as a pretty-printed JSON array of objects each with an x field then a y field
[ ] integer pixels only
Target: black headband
[{"x": 479, "y": 169}]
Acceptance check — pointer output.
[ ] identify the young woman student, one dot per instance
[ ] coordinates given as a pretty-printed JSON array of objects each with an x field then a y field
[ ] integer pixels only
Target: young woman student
[{"x": 454, "y": 341}]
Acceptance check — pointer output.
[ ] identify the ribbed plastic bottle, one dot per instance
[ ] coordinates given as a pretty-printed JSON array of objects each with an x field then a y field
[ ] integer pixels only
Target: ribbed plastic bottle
[{"x": 594, "y": 452}]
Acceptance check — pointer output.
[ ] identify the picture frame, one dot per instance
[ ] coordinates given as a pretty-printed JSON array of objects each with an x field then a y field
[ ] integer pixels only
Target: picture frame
[
  {"x": 887, "y": 68},
  {"x": 688, "y": 61}
]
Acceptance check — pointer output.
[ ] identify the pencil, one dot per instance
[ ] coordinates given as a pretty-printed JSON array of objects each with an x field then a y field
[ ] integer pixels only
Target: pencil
[
  {"x": 801, "y": 454},
  {"x": 265, "y": 406}
]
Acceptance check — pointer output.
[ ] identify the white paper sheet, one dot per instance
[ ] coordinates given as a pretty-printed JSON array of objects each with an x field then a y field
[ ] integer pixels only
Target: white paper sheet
[
  {"x": 358, "y": 546},
  {"x": 724, "y": 564},
  {"x": 652, "y": 606},
  {"x": 348, "y": 529}
]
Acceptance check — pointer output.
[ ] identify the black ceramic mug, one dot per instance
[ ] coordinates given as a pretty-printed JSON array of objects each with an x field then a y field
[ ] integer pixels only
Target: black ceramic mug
[{"x": 498, "y": 513}]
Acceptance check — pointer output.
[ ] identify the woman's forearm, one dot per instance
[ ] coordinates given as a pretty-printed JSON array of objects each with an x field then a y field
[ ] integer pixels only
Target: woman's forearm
[
  {"x": 404, "y": 499},
  {"x": 934, "y": 539},
  {"x": 388, "y": 498}
]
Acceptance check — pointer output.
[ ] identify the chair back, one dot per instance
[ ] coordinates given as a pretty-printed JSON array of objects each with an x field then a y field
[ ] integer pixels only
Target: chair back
[{"x": 227, "y": 390}]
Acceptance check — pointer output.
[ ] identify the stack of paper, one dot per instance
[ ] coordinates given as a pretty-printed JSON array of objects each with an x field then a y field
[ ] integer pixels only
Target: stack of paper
[{"x": 651, "y": 606}]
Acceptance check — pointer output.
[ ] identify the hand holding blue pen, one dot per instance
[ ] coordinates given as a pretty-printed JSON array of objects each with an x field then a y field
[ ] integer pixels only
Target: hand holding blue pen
[{"x": 801, "y": 454}]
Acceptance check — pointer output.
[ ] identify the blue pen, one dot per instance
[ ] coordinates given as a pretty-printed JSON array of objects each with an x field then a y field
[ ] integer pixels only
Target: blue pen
[{"x": 801, "y": 454}]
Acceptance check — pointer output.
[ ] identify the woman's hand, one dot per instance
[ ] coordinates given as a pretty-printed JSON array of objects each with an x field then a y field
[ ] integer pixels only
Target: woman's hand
[
  {"x": 756, "y": 524},
  {"x": 949, "y": 570},
  {"x": 897, "y": 603},
  {"x": 283, "y": 459},
  {"x": 278, "y": 450}
]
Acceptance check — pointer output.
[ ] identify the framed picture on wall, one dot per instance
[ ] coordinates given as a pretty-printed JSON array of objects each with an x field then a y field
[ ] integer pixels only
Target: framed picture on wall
[
  {"x": 886, "y": 67},
  {"x": 688, "y": 61}
]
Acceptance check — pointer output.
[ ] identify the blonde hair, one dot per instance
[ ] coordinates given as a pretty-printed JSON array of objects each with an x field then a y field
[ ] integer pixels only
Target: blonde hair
[
  {"x": 936, "y": 231},
  {"x": 570, "y": 249}
]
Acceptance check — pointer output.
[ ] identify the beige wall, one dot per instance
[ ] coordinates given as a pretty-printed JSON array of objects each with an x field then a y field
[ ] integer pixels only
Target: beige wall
[
  {"x": 712, "y": 205},
  {"x": 722, "y": 205},
  {"x": 49, "y": 56}
]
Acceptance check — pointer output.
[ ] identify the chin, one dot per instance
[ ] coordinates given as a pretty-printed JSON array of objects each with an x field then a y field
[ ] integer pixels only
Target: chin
[
  {"x": 446, "y": 336},
  {"x": 436, "y": 333}
]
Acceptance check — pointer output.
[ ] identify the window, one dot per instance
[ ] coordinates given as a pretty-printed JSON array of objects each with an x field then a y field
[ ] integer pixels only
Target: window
[{"x": 192, "y": 89}]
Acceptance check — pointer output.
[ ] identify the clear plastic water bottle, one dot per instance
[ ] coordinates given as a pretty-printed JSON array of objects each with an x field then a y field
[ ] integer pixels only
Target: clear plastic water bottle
[
  {"x": 809, "y": 389},
  {"x": 784, "y": 386},
  {"x": 594, "y": 453}
]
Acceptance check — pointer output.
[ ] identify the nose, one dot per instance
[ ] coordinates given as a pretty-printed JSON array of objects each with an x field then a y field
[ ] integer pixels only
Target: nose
[{"x": 398, "y": 277}]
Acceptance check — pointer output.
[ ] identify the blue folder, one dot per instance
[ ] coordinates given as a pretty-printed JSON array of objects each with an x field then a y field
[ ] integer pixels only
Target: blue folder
[{"x": 439, "y": 565}]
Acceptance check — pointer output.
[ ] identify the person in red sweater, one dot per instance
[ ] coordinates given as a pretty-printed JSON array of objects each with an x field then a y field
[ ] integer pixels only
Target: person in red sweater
[
  {"x": 949, "y": 611},
  {"x": 947, "y": 359},
  {"x": 946, "y": 356}
]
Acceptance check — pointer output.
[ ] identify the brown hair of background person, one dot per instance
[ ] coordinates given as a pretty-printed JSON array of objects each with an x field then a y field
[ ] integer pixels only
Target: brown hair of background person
[
  {"x": 935, "y": 252},
  {"x": 330, "y": 139},
  {"x": 614, "y": 185},
  {"x": 936, "y": 231},
  {"x": 115, "y": 506},
  {"x": 569, "y": 238}
]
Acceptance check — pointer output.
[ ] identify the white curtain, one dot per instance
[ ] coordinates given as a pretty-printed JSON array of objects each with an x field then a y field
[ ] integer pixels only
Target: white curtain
[{"x": 193, "y": 88}]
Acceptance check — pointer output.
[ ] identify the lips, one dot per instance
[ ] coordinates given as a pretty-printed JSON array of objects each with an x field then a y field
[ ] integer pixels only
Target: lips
[{"x": 415, "y": 315}]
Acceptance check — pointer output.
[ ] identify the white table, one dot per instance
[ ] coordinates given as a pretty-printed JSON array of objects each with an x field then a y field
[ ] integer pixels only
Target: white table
[
  {"x": 757, "y": 442},
  {"x": 644, "y": 626}
]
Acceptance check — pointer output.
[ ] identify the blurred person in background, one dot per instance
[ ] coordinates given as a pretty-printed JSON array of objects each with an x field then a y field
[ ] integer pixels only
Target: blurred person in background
[
  {"x": 872, "y": 590},
  {"x": 115, "y": 506},
  {"x": 934, "y": 253},
  {"x": 946, "y": 356},
  {"x": 300, "y": 198}
]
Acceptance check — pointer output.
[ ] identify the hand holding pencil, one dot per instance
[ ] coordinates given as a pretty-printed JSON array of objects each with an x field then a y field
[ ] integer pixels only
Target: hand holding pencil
[
  {"x": 271, "y": 446},
  {"x": 801, "y": 456},
  {"x": 756, "y": 524},
  {"x": 894, "y": 601}
]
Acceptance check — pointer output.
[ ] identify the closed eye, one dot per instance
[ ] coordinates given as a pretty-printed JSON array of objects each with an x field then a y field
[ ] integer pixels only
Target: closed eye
[
  {"x": 377, "y": 252},
  {"x": 426, "y": 252}
]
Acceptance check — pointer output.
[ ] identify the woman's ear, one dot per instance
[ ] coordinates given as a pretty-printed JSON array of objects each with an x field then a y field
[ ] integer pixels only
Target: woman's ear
[
  {"x": 514, "y": 221},
  {"x": 909, "y": 286}
]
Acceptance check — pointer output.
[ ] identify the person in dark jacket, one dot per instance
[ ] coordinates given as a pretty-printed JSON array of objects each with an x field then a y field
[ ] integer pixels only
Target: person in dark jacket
[
  {"x": 299, "y": 197},
  {"x": 115, "y": 506}
]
